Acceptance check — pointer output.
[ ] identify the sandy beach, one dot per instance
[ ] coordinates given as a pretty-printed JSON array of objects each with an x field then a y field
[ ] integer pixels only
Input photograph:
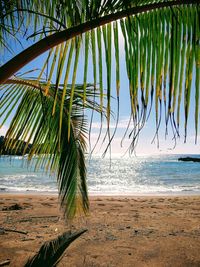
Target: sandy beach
[{"x": 122, "y": 231}]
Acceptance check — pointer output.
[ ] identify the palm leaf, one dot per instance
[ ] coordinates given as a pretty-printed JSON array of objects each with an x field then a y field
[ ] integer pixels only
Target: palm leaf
[
  {"x": 87, "y": 15},
  {"x": 65, "y": 155},
  {"x": 51, "y": 252}
]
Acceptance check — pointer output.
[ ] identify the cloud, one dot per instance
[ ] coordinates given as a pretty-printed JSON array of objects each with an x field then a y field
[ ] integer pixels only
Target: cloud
[
  {"x": 122, "y": 124},
  {"x": 144, "y": 146}
]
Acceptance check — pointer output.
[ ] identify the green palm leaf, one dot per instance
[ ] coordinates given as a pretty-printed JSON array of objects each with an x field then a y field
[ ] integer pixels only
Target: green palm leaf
[
  {"x": 63, "y": 154},
  {"x": 51, "y": 252}
]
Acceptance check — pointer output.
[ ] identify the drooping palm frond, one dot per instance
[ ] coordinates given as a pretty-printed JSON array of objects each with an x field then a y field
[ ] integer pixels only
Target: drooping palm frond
[
  {"x": 161, "y": 40},
  {"x": 33, "y": 122},
  {"x": 51, "y": 252}
]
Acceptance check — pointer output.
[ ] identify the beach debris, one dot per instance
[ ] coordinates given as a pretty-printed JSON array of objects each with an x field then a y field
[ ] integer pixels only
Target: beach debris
[
  {"x": 2, "y": 229},
  {"x": 110, "y": 237},
  {"x": 101, "y": 204},
  {"x": 27, "y": 239},
  {"x": 144, "y": 232},
  {"x": 45, "y": 217},
  {"x": 13, "y": 207},
  {"x": 39, "y": 236},
  {"x": 4, "y": 263},
  {"x": 172, "y": 233},
  {"x": 51, "y": 252}
]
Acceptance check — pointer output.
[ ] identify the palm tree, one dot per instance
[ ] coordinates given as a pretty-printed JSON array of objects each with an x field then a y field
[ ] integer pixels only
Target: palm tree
[{"x": 161, "y": 41}]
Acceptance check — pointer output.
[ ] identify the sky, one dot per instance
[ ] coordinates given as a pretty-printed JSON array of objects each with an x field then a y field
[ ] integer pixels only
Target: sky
[{"x": 145, "y": 145}]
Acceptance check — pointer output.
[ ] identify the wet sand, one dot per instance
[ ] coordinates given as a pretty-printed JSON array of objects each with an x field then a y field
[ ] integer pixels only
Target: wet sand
[{"x": 122, "y": 231}]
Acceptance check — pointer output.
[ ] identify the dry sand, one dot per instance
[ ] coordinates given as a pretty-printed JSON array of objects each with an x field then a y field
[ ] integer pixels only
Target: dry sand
[{"x": 122, "y": 231}]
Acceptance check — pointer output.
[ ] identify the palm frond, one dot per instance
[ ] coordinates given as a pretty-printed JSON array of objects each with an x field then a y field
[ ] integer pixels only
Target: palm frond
[
  {"x": 51, "y": 252},
  {"x": 155, "y": 56},
  {"x": 34, "y": 123}
]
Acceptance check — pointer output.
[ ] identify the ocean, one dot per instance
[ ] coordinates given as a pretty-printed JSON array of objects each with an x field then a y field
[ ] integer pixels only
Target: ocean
[{"x": 142, "y": 175}]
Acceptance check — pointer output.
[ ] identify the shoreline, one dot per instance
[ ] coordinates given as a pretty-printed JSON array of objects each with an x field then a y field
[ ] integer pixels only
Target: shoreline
[
  {"x": 122, "y": 230},
  {"x": 90, "y": 194},
  {"x": 93, "y": 197},
  {"x": 162, "y": 176}
]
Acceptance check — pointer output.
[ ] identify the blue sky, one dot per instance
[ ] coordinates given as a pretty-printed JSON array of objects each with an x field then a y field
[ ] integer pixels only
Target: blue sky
[{"x": 145, "y": 145}]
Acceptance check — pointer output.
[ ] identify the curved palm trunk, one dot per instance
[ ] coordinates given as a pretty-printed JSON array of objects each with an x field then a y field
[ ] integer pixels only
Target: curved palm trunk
[{"x": 16, "y": 63}]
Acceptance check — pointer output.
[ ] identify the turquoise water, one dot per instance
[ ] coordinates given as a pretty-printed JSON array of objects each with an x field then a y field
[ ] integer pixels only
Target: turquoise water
[{"x": 124, "y": 176}]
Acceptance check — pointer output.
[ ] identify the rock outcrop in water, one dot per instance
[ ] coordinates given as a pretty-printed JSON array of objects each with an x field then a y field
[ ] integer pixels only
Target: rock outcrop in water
[{"x": 189, "y": 159}]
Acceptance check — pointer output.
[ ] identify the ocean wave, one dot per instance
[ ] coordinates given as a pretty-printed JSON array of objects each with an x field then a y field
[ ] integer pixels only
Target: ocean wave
[
  {"x": 28, "y": 189},
  {"x": 147, "y": 175}
]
